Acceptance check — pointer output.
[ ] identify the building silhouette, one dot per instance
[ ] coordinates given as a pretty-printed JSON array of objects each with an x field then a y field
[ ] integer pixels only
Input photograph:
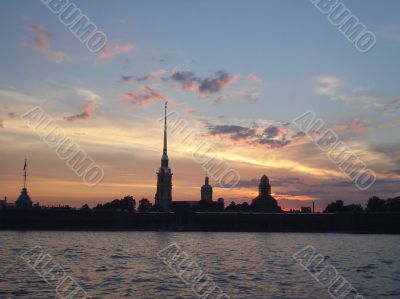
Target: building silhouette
[
  {"x": 264, "y": 202},
  {"x": 163, "y": 197},
  {"x": 24, "y": 201},
  {"x": 206, "y": 191}
]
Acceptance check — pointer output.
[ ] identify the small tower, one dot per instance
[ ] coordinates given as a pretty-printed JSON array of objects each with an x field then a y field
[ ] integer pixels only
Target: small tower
[
  {"x": 206, "y": 191},
  {"x": 24, "y": 201},
  {"x": 264, "y": 188}
]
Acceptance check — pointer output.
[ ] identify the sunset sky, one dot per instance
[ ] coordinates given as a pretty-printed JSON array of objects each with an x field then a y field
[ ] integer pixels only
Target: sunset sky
[{"x": 238, "y": 72}]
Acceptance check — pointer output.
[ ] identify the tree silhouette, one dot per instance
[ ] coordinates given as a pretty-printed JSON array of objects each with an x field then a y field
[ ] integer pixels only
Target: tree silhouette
[
  {"x": 128, "y": 203},
  {"x": 339, "y": 207},
  {"x": 376, "y": 204},
  {"x": 144, "y": 205},
  {"x": 85, "y": 207}
]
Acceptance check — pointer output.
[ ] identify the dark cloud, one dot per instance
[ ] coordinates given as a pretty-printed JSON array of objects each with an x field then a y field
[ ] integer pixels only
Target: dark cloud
[
  {"x": 188, "y": 81},
  {"x": 298, "y": 135},
  {"x": 234, "y": 132},
  {"x": 221, "y": 81},
  {"x": 286, "y": 181},
  {"x": 274, "y": 143},
  {"x": 126, "y": 78},
  {"x": 394, "y": 171},
  {"x": 271, "y": 132},
  {"x": 274, "y": 137},
  {"x": 253, "y": 183},
  {"x": 150, "y": 76},
  {"x": 271, "y": 137}
]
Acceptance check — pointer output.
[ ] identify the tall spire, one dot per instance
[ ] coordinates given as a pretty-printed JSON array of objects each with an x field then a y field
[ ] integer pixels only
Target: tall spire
[
  {"x": 25, "y": 175},
  {"x": 165, "y": 150},
  {"x": 163, "y": 195}
]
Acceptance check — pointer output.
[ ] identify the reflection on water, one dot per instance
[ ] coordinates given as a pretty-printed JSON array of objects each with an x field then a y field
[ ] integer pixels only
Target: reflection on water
[{"x": 244, "y": 265}]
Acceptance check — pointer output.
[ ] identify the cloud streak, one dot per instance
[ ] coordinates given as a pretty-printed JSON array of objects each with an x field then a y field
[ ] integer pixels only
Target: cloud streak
[
  {"x": 331, "y": 86},
  {"x": 150, "y": 76},
  {"x": 145, "y": 96},
  {"x": 270, "y": 137},
  {"x": 85, "y": 114},
  {"x": 111, "y": 50}
]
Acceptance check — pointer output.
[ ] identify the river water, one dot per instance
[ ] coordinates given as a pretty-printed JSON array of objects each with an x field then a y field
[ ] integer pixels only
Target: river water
[{"x": 240, "y": 265}]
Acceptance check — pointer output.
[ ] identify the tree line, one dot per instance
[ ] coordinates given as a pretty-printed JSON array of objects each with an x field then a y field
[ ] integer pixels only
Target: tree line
[{"x": 128, "y": 203}]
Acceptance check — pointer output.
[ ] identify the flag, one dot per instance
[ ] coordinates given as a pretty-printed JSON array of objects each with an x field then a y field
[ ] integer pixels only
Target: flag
[{"x": 25, "y": 165}]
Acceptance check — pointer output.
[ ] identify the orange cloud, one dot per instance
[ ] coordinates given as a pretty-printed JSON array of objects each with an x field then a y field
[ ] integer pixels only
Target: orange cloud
[
  {"x": 41, "y": 39},
  {"x": 87, "y": 112}
]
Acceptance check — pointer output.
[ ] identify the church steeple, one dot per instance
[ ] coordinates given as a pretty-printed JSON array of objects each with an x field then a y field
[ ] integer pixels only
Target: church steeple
[
  {"x": 165, "y": 151},
  {"x": 163, "y": 196},
  {"x": 164, "y": 159}
]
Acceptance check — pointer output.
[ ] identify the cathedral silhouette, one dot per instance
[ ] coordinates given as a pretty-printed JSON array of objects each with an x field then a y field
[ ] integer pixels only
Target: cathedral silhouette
[{"x": 163, "y": 197}]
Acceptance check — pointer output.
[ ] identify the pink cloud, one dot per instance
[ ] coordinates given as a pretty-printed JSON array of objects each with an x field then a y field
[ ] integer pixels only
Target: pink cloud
[
  {"x": 250, "y": 78},
  {"x": 41, "y": 42},
  {"x": 141, "y": 98},
  {"x": 110, "y": 51},
  {"x": 189, "y": 111},
  {"x": 41, "y": 39},
  {"x": 359, "y": 125},
  {"x": 156, "y": 74},
  {"x": 86, "y": 112},
  {"x": 340, "y": 127},
  {"x": 12, "y": 114},
  {"x": 1, "y": 123}
]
